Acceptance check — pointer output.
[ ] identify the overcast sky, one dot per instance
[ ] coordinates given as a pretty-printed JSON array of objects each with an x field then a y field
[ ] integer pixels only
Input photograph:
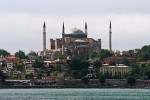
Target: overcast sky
[{"x": 21, "y": 22}]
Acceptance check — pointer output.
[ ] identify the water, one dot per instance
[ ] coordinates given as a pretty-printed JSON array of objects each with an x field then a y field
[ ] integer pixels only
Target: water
[{"x": 74, "y": 94}]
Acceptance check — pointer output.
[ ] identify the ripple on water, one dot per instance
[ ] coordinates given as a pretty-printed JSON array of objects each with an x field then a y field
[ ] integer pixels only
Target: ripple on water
[{"x": 74, "y": 94}]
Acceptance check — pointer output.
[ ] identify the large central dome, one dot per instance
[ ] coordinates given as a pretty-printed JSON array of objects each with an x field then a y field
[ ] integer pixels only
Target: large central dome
[{"x": 75, "y": 33}]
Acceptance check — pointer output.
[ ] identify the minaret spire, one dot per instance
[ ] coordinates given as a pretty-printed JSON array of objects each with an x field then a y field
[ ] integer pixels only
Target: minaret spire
[
  {"x": 63, "y": 39},
  {"x": 44, "y": 39},
  {"x": 110, "y": 24},
  {"x": 110, "y": 40},
  {"x": 44, "y": 26},
  {"x": 86, "y": 28},
  {"x": 63, "y": 29}
]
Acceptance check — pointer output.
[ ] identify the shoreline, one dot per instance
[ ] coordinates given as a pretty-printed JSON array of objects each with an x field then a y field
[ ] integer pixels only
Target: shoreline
[{"x": 73, "y": 87}]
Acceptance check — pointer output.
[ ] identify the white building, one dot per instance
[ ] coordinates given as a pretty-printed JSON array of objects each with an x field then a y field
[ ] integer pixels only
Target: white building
[
  {"x": 113, "y": 70},
  {"x": 10, "y": 65}
]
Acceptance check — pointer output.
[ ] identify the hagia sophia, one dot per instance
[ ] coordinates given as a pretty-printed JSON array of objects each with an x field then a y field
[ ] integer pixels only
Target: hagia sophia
[{"x": 71, "y": 43}]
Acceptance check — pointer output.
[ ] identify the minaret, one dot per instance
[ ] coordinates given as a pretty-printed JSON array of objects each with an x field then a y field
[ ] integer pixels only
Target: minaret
[
  {"x": 44, "y": 39},
  {"x": 110, "y": 41},
  {"x": 86, "y": 28},
  {"x": 63, "y": 40}
]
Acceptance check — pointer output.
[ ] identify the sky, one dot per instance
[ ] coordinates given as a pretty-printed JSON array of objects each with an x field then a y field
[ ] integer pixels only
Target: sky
[{"x": 21, "y": 22}]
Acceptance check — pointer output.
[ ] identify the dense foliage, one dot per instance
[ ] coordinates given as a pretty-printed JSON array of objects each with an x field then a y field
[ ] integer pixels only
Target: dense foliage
[
  {"x": 78, "y": 64},
  {"x": 102, "y": 79},
  {"x": 140, "y": 71},
  {"x": 131, "y": 80},
  {"x": 38, "y": 63},
  {"x": 20, "y": 54},
  {"x": 85, "y": 80},
  {"x": 143, "y": 54},
  {"x": 4, "y": 52}
]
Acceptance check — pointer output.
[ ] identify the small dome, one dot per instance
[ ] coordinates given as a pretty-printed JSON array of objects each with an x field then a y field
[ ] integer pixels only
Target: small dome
[{"x": 32, "y": 53}]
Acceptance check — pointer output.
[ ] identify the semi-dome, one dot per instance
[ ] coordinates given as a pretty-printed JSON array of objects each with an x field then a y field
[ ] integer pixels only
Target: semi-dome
[
  {"x": 75, "y": 33},
  {"x": 80, "y": 41}
]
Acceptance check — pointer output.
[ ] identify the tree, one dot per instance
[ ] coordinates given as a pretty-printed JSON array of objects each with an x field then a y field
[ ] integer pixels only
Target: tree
[
  {"x": 147, "y": 73},
  {"x": 102, "y": 79},
  {"x": 4, "y": 52},
  {"x": 78, "y": 64},
  {"x": 112, "y": 63},
  {"x": 105, "y": 53},
  {"x": 58, "y": 68},
  {"x": 135, "y": 70},
  {"x": 31, "y": 76},
  {"x": 62, "y": 57},
  {"x": 83, "y": 73},
  {"x": 92, "y": 54},
  {"x": 97, "y": 64},
  {"x": 85, "y": 80},
  {"x": 2, "y": 76},
  {"x": 117, "y": 75},
  {"x": 75, "y": 74},
  {"x": 38, "y": 63},
  {"x": 27, "y": 76},
  {"x": 20, "y": 54},
  {"x": 125, "y": 61},
  {"x": 144, "y": 53},
  {"x": 131, "y": 80},
  {"x": 108, "y": 75}
]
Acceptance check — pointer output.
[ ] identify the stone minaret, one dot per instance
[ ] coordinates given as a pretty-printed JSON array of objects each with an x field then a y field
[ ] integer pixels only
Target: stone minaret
[
  {"x": 110, "y": 41},
  {"x": 44, "y": 39},
  {"x": 86, "y": 28},
  {"x": 63, "y": 40}
]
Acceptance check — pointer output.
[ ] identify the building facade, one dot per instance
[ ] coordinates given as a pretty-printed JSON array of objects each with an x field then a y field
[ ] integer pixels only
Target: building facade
[
  {"x": 119, "y": 69},
  {"x": 75, "y": 41}
]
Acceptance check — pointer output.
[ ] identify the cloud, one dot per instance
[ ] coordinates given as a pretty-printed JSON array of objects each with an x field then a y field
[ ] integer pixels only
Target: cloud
[{"x": 22, "y": 21}]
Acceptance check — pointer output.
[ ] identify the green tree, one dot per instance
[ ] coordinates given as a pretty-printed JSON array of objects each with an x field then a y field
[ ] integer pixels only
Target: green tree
[
  {"x": 105, "y": 53},
  {"x": 20, "y": 66},
  {"x": 31, "y": 76},
  {"x": 58, "y": 68},
  {"x": 125, "y": 61},
  {"x": 108, "y": 75},
  {"x": 83, "y": 73},
  {"x": 117, "y": 75},
  {"x": 147, "y": 73},
  {"x": 92, "y": 54},
  {"x": 62, "y": 57},
  {"x": 38, "y": 64},
  {"x": 144, "y": 53},
  {"x": 39, "y": 75},
  {"x": 78, "y": 64},
  {"x": 112, "y": 63},
  {"x": 146, "y": 49},
  {"x": 4, "y": 53},
  {"x": 20, "y": 54},
  {"x": 135, "y": 70},
  {"x": 102, "y": 79},
  {"x": 131, "y": 80},
  {"x": 2, "y": 76},
  {"x": 75, "y": 74},
  {"x": 85, "y": 80},
  {"x": 97, "y": 64},
  {"x": 27, "y": 76}
]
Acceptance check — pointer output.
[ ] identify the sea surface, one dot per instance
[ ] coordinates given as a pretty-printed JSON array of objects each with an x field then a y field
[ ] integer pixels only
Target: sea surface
[{"x": 74, "y": 94}]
